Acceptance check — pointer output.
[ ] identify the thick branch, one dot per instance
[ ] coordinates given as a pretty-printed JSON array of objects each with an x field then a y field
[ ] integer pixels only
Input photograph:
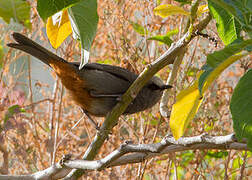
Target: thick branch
[
  {"x": 141, "y": 152},
  {"x": 138, "y": 153}
]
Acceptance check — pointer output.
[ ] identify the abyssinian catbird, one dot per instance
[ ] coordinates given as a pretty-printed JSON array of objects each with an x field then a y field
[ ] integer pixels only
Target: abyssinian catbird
[{"x": 96, "y": 88}]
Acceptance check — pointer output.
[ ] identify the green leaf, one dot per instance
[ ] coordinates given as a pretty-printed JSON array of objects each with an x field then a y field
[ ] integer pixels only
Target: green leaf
[
  {"x": 241, "y": 108},
  {"x": 240, "y": 9},
  {"x": 217, "y": 155},
  {"x": 218, "y": 61},
  {"x": 162, "y": 38},
  {"x": 47, "y": 8},
  {"x": 225, "y": 23},
  {"x": 172, "y": 32},
  {"x": 11, "y": 111},
  {"x": 165, "y": 38},
  {"x": 186, "y": 157},
  {"x": 154, "y": 122},
  {"x": 218, "y": 57},
  {"x": 84, "y": 20},
  {"x": 139, "y": 29},
  {"x": 18, "y": 10}
]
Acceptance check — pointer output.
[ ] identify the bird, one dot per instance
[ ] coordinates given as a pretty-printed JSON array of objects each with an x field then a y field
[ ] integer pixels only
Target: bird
[{"x": 97, "y": 87}]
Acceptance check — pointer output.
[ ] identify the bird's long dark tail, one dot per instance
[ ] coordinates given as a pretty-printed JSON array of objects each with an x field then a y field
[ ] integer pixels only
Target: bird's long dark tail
[{"x": 27, "y": 45}]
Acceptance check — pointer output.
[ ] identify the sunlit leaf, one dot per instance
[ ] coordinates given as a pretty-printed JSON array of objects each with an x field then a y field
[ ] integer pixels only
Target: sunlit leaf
[
  {"x": 162, "y": 38},
  {"x": 47, "y": 8},
  {"x": 210, "y": 74},
  {"x": 139, "y": 29},
  {"x": 189, "y": 100},
  {"x": 241, "y": 108},
  {"x": 240, "y": 9},
  {"x": 172, "y": 32},
  {"x": 227, "y": 28},
  {"x": 58, "y": 28},
  {"x": 219, "y": 61},
  {"x": 166, "y": 10},
  {"x": 18, "y": 10},
  {"x": 183, "y": 111}
]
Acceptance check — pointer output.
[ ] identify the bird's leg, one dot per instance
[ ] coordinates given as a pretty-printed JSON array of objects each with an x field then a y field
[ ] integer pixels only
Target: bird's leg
[{"x": 95, "y": 124}]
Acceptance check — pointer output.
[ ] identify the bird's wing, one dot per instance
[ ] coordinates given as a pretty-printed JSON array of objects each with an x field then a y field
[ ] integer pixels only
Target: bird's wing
[
  {"x": 114, "y": 70},
  {"x": 106, "y": 80}
]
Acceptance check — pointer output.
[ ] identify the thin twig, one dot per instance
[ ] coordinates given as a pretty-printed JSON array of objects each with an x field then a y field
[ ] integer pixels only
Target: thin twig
[
  {"x": 66, "y": 134},
  {"x": 52, "y": 114},
  {"x": 35, "y": 134},
  {"x": 164, "y": 109},
  {"x": 38, "y": 102},
  {"x": 57, "y": 127},
  {"x": 243, "y": 166},
  {"x": 226, "y": 165}
]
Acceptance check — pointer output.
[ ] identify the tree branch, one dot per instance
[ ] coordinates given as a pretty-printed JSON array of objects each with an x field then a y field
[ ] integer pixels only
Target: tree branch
[
  {"x": 112, "y": 118},
  {"x": 139, "y": 152},
  {"x": 163, "y": 108}
]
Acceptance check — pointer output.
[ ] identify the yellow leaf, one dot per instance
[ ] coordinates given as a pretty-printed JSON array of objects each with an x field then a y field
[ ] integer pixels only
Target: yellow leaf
[
  {"x": 202, "y": 9},
  {"x": 188, "y": 100},
  {"x": 58, "y": 28},
  {"x": 183, "y": 111},
  {"x": 166, "y": 10},
  {"x": 221, "y": 67}
]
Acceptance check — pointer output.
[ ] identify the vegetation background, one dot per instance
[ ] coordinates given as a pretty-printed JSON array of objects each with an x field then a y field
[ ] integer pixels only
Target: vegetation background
[{"x": 26, "y": 139}]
